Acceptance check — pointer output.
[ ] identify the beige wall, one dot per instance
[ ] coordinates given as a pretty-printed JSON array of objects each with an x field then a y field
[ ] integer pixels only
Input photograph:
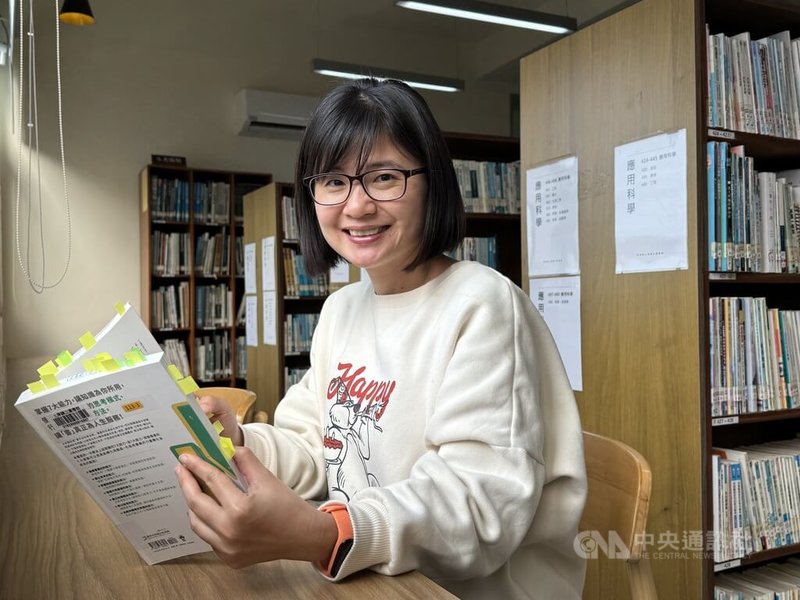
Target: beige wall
[{"x": 160, "y": 77}]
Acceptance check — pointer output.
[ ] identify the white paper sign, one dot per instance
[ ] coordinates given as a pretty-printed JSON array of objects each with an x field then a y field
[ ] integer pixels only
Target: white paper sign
[
  {"x": 340, "y": 273},
  {"x": 558, "y": 300},
  {"x": 269, "y": 315},
  {"x": 251, "y": 320},
  {"x": 650, "y": 204},
  {"x": 552, "y": 204},
  {"x": 250, "y": 268},
  {"x": 268, "y": 263}
]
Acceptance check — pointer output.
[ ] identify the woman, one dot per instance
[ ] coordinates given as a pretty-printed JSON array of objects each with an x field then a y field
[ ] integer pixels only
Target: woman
[{"x": 436, "y": 419}]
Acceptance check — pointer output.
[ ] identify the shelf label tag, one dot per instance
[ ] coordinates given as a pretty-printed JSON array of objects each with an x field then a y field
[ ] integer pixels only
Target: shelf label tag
[{"x": 724, "y": 421}]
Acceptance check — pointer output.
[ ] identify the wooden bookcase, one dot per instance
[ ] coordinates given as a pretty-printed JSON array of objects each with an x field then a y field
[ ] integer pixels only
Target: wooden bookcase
[
  {"x": 231, "y": 225},
  {"x": 646, "y": 377}
]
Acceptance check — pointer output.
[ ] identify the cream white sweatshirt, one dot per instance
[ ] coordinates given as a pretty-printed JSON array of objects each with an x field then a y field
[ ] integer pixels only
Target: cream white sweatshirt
[{"x": 444, "y": 419}]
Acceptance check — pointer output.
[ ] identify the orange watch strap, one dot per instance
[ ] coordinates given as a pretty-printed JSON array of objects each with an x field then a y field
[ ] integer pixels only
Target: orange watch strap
[{"x": 345, "y": 540}]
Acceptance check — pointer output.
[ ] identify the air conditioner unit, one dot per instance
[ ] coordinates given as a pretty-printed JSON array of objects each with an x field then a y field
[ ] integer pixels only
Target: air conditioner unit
[{"x": 272, "y": 114}]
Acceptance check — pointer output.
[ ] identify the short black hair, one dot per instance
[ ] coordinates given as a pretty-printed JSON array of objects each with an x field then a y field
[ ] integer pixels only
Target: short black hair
[{"x": 349, "y": 120}]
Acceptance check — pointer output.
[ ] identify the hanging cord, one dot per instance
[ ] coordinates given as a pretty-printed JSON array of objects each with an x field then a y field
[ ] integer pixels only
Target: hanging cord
[{"x": 33, "y": 147}]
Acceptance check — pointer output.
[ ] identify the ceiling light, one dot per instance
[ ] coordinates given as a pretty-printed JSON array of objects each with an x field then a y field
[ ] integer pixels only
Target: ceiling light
[
  {"x": 76, "y": 12},
  {"x": 495, "y": 13},
  {"x": 417, "y": 80}
]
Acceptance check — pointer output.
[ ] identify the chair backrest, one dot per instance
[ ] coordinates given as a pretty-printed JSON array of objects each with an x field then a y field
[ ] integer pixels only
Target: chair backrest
[
  {"x": 618, "y": 500},
  {"x": 240, "y": 400}
]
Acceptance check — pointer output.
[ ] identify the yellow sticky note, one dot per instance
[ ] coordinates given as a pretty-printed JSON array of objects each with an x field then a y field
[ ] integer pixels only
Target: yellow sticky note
[
  {"x": 120, "y": 308},
  {"x": 88, "y": 365},
  {"x": 188, "y": 385},
  {"x": 174, "y": 372},
  {"x": 226, "y": 445},
  {"x": 87, "y": 340},
  {"x": 64, "y": 358},
  {"x": 218, "y": 426},
  {"x": 138, "y": 352},
  {"x": 48, "y": 368},
  {"x": 102, "y": 356},
  {"x": 110, "y": 364},
  {"x": 49, "y": 380},
  {"x": 133, "y": 358},
  {"x": 36, "y": 386}
]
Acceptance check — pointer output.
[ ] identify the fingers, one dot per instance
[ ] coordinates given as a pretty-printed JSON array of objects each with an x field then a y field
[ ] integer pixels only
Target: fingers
[
  {"x": 217, "y": 482},
  {"x": 252, "y": 469}
]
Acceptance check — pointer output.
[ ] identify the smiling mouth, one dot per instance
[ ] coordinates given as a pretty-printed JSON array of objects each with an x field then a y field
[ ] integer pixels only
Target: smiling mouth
[{"x": 366, "y": 232}]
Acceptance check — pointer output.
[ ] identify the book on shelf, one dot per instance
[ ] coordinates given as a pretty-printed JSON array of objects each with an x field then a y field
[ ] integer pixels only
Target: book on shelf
[
  {"x": 489, "y": 187},
  {"x": 118, "y": 417}
]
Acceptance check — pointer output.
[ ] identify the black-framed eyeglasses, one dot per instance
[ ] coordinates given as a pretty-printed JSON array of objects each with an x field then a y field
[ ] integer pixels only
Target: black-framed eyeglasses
[{"x": 382, "y": 185}]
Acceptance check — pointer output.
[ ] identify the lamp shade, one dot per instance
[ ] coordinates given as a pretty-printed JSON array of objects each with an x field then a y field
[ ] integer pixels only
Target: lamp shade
[{"x": 76, "y": 12}]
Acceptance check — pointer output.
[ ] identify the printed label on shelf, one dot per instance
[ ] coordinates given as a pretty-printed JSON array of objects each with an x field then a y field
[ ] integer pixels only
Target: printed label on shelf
[
  {"x": 718, "y": 133},
  {"x": 724, "y": 421},
  {"x": 727, "y": 565}
]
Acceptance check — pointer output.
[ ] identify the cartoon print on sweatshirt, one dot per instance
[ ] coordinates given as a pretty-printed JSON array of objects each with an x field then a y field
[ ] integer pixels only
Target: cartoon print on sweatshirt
[{"x": 346, "y": 441}]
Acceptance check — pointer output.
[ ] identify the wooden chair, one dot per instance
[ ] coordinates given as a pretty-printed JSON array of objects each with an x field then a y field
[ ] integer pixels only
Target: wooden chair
[
  {"x": 240, "y": 400},
  {"x": 618, "y": 500}
]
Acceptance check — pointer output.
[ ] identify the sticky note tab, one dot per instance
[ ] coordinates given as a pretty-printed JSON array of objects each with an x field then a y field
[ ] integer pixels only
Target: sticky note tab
[
  {"x": 138, "y": 352},
  {"x": 49, "y": 380},
  {"x": 88, "y": 365},
  {"x": 226, "y": 445},
  {"x": 218, "y": 426},
  {"x": 188, "y": 385},
  {"x": 64, "y": 358},
  {"x": 48, "y": 368},
  {"x": 133, "y": 358},
  {"x": 87, "y": 340},
  {"x": 110, "y": 364},
  {"x": 102, "y": 356},
  {"x": 36, "y": 386},
  {"x": 120, "y": 308},
  {"x": 174, "y": 372}
]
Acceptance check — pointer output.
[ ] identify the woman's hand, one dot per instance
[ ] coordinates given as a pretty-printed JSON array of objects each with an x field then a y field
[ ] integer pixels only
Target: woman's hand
[
  {"x": 218, "y": 409},
  {"x": 268, "y": 522}
]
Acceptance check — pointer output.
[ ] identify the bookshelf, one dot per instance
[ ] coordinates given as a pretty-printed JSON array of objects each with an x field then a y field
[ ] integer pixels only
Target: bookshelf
[
  {"x": 191, "y": 227},
  {"x": 645, "y": 336}
]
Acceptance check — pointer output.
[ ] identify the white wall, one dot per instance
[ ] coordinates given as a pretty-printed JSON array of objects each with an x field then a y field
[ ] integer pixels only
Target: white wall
[{"x": 155, "y": 77}]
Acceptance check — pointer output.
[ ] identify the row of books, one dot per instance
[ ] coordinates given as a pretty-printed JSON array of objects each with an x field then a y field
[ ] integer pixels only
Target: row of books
[
  {"x": 175, "y": 352},
  {"x": 298, "y": 281},
  {"x": 774, "y": 581},
  {"x": 212, "y": 254},
  {"x": 489, "y": 187},
  {"x": 480, "y": 249},
  {"x": 212, "y": 202},
  {"x": 297, "y": 331},
  {"x": 170, "y": 253},
  {"x": 212, "y": 358},
  {"x": 213, "y": 306},
  {"x": 292, "y": 375},
  {"x": 169, "y": 199},
  {"x": 169, "y": 306},
  {"x": 291, "y": 231},
  {"x": 754, "y": 85},
  {"x": 756, "y": 498},
  {"x": 754, "y": 356},
  {"x": 753, "y": 217}
]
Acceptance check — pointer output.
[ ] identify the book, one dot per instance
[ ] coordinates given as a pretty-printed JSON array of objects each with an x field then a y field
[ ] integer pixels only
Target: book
[{"x": 118, "y": 420}]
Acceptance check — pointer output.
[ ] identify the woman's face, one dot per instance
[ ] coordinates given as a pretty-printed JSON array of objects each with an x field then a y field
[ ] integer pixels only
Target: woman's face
[{"x": 381, "y": 237}]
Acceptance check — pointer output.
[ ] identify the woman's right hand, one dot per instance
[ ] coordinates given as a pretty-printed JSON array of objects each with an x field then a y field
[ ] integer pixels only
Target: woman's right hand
[{"x": 218, "y": 409}]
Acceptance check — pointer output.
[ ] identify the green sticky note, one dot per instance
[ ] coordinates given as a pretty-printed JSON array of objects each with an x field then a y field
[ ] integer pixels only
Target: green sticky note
[
  {"x": 64, "y": 358},
  {"x": 188, "y": 385},
  {"x": 132, "y": 358},
  {"x": 87, "y": 340},
  {"x": 138, "y": 352},
  {"x": 226, "y": 445},
  {"x": 48, "y": 368},
  {"x": 174, "y": 372},
  {"x": 49, "y": 380},
  {"x": 36, "y": 386},
  {"x": 120, "y": 308}
]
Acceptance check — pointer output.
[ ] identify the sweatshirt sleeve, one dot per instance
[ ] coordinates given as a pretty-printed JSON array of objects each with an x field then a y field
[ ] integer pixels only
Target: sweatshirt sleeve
[{"x": 470, "y": 498}]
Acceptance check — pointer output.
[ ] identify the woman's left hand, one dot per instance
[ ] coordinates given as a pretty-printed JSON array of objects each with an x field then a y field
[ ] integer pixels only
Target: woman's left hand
[{"x": 268, "y": 522}]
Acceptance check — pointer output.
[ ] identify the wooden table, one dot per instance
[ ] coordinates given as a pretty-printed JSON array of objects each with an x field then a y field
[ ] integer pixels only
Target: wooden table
[{"x": 56, "y": 543}]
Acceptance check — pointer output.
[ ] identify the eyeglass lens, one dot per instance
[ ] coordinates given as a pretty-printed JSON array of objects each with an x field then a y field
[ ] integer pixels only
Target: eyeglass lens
[{"x": 381, "y": 184}]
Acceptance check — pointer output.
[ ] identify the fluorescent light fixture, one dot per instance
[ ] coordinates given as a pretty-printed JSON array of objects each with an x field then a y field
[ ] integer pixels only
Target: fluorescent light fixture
[
  {"x": 495, "y": 13},
  {"x": 417, "y": 80}
]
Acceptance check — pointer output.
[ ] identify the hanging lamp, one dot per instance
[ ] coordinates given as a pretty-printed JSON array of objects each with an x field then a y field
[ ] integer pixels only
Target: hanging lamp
[{"x": 76, "y": 12}]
